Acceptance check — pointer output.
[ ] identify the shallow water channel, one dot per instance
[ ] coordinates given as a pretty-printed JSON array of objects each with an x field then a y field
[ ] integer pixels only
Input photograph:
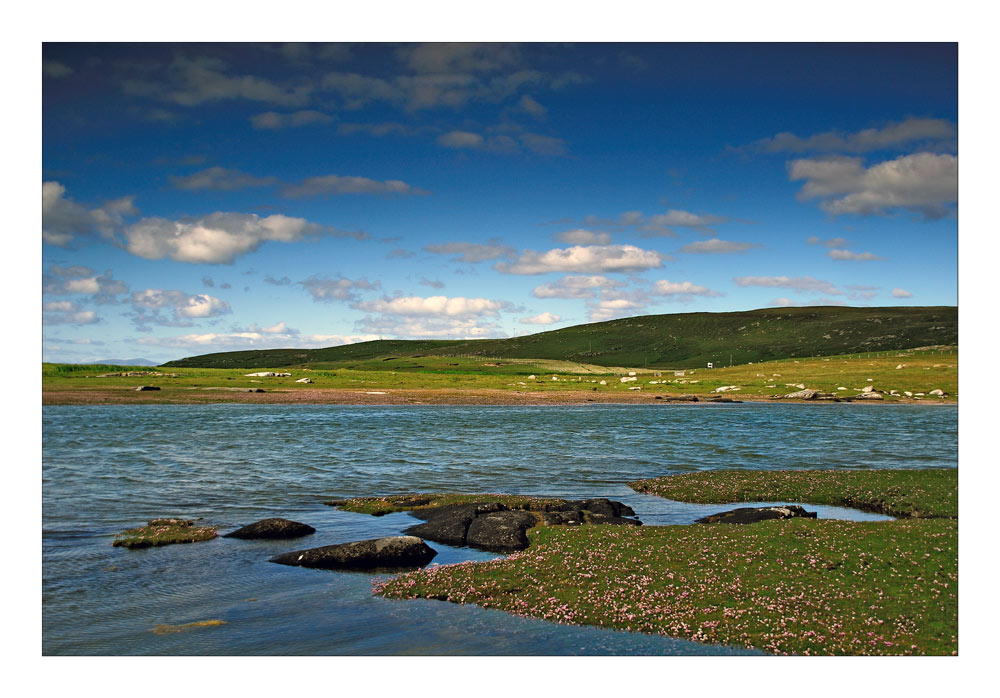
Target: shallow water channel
[{"x": 107, "y": 468}]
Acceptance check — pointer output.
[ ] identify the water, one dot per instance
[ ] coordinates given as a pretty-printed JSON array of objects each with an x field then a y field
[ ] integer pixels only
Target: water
[{"x": 109, "y": 468}]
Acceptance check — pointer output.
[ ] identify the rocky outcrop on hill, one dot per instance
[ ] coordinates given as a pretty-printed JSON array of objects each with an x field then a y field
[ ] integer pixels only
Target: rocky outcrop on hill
[{"x": 379, "y": 553}]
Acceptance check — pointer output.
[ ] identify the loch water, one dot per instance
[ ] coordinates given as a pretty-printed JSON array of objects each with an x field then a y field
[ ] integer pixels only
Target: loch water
[{"x": 108, "y": 468}]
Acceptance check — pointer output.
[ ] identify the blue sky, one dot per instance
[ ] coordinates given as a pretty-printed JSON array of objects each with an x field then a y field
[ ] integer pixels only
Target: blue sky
[{"x": 204, "y": 197}]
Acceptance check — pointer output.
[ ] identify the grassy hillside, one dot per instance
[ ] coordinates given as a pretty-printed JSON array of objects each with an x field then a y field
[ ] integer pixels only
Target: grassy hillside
[{"x": 681, "y": 340}]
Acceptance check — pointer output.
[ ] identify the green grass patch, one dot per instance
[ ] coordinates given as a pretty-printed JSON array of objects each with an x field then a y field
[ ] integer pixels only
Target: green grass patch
[
  {"x": 906, "y": 493},
  {"x": 379, "y": 506},
  {"x": 164, "y": 532},
  {"x": 800, "y": 586}
]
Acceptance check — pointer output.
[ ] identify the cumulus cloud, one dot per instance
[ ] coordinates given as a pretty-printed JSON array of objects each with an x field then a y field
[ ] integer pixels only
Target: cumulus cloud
[
  {"x": 680, "y": 289},
  {"x": 891, "y": 135},
  {"x": 829, "y": 242},
  {"x": 55, "y": 69},
  {"x": 433, "y": 283},
  {"x": 459, "y": 57},
  {"x": 663, "y": 224},
  {"x": 529, "y": 105},
  {"x": 62, "y": 218},
  {"x": 586, "y": 259},
  {"x": 575, "y": 287},
  {"x": 220, "y": 179},
  {"x": 335, "y": 184},
  {"x": 542, "y": 319},
  {"x": 325, "y": 290},
  {"x": 581, "y": 236},
  {"x": 67, "y": 313},
  {"x": 717, "y": 246},
  {"x": 190, "y": 82},
  {"x": 77, "y": 279},
  {"x": 218, "y": 238},
  {"x": 847, "y": 255},
  {"x": 536, "y": 143},
  {"x": 184, "y": 307},
  {"x": 461, "y": 139},
  {"x": 440, "y": 306},
  {"x": 254, "y": 338},
  {"x": 283, "y": 281},
  {"x": 472, "y": 252},
  {"x": 273, "y": 120},
  {"x": 802, "y": 284},
  {"x": 611, "y": 309},
  {"x": 789, "y": 303},
  {"x": 901, "y": 293},
  {"x": 925, "y": 183}
]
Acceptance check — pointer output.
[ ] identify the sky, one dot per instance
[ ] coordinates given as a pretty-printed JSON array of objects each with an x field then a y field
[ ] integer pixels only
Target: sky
[{"x": 216, "y": 197}]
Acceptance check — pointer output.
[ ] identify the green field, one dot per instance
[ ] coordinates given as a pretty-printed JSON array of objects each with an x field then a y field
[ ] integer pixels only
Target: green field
[
  {"x": 682, "y": 340},
  {"x": 922, "y": 370},
  {"x": 801, "y": 586}
]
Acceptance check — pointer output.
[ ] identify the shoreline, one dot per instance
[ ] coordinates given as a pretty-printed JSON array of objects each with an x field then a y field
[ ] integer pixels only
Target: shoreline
[{"x": 410, "y": 397}]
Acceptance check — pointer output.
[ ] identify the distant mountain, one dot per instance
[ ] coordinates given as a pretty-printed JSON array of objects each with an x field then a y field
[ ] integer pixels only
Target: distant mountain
[
  {"x": 126, "y": 362},
  {"x": 679, "y": 340}
]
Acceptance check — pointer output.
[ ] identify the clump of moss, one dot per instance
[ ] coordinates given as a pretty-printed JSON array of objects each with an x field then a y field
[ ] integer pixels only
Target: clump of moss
[
  {"x": 917, "y": 493},
  {"x": 164, "y": 532},
  {"x": 379, "y": 506}
]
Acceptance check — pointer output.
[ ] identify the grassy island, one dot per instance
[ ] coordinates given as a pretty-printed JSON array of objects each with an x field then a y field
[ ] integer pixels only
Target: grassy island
[
  {"x": 164, "y": 532},
  {"x": 801, "y": 586}
]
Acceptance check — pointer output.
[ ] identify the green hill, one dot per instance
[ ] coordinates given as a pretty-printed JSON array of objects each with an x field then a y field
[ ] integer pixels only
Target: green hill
[{"x": 679, "y": 340}]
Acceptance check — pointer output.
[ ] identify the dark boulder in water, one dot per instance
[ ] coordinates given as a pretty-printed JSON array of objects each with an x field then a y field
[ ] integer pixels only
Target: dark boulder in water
[
  {"x": 378, "y": 553},
  {"x": 272, "y": 529},
  {"x": 748, "y": 515},
  {"x": 501, "y": 531}
]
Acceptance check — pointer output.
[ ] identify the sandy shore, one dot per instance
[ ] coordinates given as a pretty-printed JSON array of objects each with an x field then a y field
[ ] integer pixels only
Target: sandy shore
[{"x": 332, "y": 396}]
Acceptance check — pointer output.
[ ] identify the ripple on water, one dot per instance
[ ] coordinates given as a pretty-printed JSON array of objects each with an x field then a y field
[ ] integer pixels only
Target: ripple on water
[{"x": 112, "y": 467}]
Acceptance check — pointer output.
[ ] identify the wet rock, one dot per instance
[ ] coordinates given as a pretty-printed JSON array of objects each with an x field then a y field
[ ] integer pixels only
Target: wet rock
[
  {"x": 683, "y": 398},
  {"x": 501, "y": 531},
  {"x": 272, "y": 529},
  {"x": 613, "y": 520},
  {"x": 378, "y": 553},
  {"x": 748, "y": 515}
]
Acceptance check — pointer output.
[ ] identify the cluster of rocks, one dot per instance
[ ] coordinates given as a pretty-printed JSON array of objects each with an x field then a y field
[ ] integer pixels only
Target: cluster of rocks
[
  {"x": 694, "y": 398},
  {"x": 499, "y": 528},
  {"x": 869, "y": 392},
  {"x": 267, "y": 374}
]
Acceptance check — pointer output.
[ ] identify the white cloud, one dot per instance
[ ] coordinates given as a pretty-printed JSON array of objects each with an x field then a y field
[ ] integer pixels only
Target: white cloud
[
  {"x": 528, "y": 105},
  {"x": 542, "y": 319},
  {"x": 717, "y": 246},
  {"x": 900, "y": 293},
  {"x": 55, "y": 69},
  {"x": 185, "y": 307},
  {"x": 585, "y": 259},
  {"x": 802, "y": 284},
  {"x": 220, "y": 179},
  {"x": 788, "y": 303},
  {"x": 472, "y": 252},
  {"x": 253, "y": 338},
  {"x": 610, "y": 309},
  {"x": 461, "y": 139},
  {"x": 575, "y": 287},
  {"x": 664, "y": 287},
  {"x": 273, "y": 120},
  {"x": 663, "y": 224},
  {"x": 189, "y": 82},
  {"x": 847, "y": 255},
  {"x": 829, "y": 242},
  {"x": 433, "y": 306},
  {"x": 71, "y": 317},
  {"x": 892, "y": 135},
  {"x": 581, "y": 236},
  {"x": 218, "y": 238},
  {"x": 335, "y": 184},
  {"x": 63, "y": 218},
  {"x": 61, "y": 281},
  {"x": 324, "y": 289},
  {"x": 926, "y": 183},
  {"x": 430, "y": 327},
  {"x": 459, "y": 57}
]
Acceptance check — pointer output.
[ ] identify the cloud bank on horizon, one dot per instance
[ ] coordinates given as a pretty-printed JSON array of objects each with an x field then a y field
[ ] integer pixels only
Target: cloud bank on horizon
[{"x": 202, "y": 197}]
